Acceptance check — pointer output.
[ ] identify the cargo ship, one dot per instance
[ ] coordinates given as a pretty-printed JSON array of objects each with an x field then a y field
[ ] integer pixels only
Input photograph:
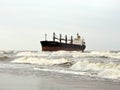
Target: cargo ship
[{"x": 57, "y": 44}]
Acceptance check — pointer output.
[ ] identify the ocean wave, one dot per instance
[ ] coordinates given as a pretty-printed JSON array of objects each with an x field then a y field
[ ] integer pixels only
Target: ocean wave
[
  {"x": 100, "y": 54},
  {"x": 6, "y": 54},
  {"x": 4, "y": 57},
  {"x": 99, "y": 69},
  {"x": 72, "y": 54},
  {"x": 29, "y": 53},
  {"x": 97, "y": 66},
  {"x": 60, "y": 71},
  {"x": 101, "y": 64},
  {"x": 40, "y": 61}
]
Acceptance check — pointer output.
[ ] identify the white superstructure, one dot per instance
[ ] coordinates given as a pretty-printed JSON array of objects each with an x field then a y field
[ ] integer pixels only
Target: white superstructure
[{"x": 78, "y": 40}]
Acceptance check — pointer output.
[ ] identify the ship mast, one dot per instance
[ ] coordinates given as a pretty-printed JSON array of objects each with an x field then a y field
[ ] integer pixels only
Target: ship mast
[
  {"x": 45, "y": 37},
  {"x": 65, "y": 39},
  {"x": 60, "y": 38},
  {"x": 54, "y": 36},
  {"x": 71, "y": 40}
]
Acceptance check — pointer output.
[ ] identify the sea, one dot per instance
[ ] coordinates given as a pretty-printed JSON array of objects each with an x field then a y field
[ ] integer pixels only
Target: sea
[{"x": 88, "y": 65}]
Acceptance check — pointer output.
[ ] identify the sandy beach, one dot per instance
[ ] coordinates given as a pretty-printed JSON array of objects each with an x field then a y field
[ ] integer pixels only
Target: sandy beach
[{"x": 18, "y": 82}]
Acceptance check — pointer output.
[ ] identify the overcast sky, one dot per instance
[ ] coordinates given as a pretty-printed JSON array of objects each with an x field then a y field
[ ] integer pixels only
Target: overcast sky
[{"x": 23, "y": 23}]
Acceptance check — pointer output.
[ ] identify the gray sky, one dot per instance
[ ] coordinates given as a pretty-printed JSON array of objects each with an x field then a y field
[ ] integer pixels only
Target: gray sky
[{"x": 23, "y": 23}]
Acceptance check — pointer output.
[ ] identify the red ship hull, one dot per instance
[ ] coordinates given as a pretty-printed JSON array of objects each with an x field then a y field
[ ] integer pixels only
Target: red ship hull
[{"x": 56, "y": 46}]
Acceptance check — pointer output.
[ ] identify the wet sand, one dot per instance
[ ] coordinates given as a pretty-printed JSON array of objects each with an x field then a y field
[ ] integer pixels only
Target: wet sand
[{"x": 19, "y": 82}]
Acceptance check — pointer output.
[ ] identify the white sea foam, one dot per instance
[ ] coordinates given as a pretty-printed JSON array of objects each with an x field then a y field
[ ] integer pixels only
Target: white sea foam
[
  {"x": 97, "y": 54},
  {"x": 101, "y": 69},
  {"x": 39, "y": 61},
  {"x": 87, "y": 65},
  {"x": 103, "y": 64},
  {"x": 106, "y": 54},
  {"x": 74, "y": 54},
  {"x": 61, "y": 71},
  {"x": 29, "y": 53},
  {"x": 110, "y": 73}
]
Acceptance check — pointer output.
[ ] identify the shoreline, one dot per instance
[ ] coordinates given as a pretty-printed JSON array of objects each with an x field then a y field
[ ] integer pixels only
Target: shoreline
[{"x": 20, "y": 82}]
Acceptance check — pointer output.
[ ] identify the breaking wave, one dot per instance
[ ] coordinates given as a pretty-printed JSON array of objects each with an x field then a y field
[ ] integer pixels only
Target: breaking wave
[
  {"x": 72, "y": 54},
  {"x": 105, "y": 54},
  {"x": 100, "y": 69},
  {"x": 5, "y": 55},
  {"x": 40, "y": 61},
  {"x": 98, "y": 64}
]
